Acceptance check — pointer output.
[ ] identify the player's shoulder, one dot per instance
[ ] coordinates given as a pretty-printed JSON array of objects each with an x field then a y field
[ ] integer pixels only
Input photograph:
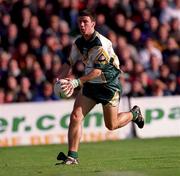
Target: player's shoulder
[{"x": 104, "y": 40}]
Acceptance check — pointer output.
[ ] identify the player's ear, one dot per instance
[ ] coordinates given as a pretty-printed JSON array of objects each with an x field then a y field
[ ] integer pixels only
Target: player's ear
[{"x": 93, "y": 23}]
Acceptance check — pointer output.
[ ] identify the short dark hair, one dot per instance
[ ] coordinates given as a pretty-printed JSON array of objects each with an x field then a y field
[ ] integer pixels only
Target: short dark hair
[{"x": 89, "y": 13}]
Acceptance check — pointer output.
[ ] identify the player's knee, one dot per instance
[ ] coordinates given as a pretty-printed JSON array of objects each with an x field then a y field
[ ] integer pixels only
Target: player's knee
[
  {"x": 110, "y": 126},
  {"x": 75, "y": 118}
]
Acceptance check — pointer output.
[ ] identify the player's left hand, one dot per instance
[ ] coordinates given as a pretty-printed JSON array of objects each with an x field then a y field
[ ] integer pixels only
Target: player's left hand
[{"x": 71, "y": 84}]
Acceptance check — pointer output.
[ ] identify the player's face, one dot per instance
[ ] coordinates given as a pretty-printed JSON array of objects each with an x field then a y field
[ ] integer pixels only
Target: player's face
[{"x": 86, "y": 25}]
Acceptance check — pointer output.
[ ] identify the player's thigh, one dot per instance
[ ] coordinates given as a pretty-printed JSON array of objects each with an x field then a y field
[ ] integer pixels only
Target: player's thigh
[
  {"x": 110, "y": 114},
  {"x": 82, "y": 106}
]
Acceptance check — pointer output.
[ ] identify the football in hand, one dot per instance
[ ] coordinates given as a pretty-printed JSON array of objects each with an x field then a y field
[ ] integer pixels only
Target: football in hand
[{"x": 62, "y": 88}]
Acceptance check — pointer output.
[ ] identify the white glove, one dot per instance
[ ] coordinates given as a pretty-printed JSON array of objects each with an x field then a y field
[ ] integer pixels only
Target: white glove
[
  {"x": 69, "y": 86},
  {"x": 75, "y": 83}
]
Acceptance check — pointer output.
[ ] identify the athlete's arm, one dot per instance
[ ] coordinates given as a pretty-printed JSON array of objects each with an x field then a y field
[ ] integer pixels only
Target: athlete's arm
[
  {"x": 92, "y": 75},
  {"x": 80, "y": 81}
]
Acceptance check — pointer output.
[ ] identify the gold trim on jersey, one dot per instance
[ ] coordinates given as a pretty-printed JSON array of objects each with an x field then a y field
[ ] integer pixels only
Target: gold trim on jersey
[
  {"x": 114, "y": 57},
  {"x": 115, "y": 100},
  {"x": 103, "y": 77},
  {"x": 102, "y": 53}
]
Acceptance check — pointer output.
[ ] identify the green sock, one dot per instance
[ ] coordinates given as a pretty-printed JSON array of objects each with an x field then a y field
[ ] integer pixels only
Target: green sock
[
  {"x": 134, "y": 115},
  {"x": 73, "y": 154}
]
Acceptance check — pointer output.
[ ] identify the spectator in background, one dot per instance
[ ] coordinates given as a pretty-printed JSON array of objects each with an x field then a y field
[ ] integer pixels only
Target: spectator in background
[
  {"x": 9, "y": 97},
  {"x": 136, "y": 38},
  {"x": 12, "y": 85},
  {"x": 144, "y": 24},
  {"x": 53, "y": 47},
  {"x": 174, "y": 64},
  {"x": 128, "y": 64},
  {"x": 35, "y": 30},
  {"x": 113, "y": 38},
  {"x": 101, "y": 26},
  {"x": 37, "y": 79},
  {"x": 47, "y": 93},
  {"x": 16, "y": 10},
  {"x": 64, "y": 13},
  {"x": 172, "y": 85},
  {"x": 136, "y": 90},
  {"x": 137, "y": 70},
  {"x": 74, "y": 16},
  {"x": 145, "y": 82},
  {"x": 55, "y": 69},
  {"x": 164, "y": 73},
  {"x": 54, "y": 28},
  {"x": 163, "y": 34},
  {"x": 26, "y": 15},
  {"x": 109, "y": 9},
  {"x": 4, "y": 62},
  {"x": 119, "y": 24},
  {"x": 137, "y": 10},
  {"x": 64, "y": 27},
  {"x": 176, "y": 10},
  {"x": 5, "y": 21},
  {"x": 35, "y": 46},
  {"x": 10, "y": 41},
  {"x": 153, "y": 70},
  {"x": 126, "y": 7},
  {"x": 165, "y": 10},
  {"x": 24, "y": 94},
  {"x": 124, "y": 50},
  {"x": 171, "y": 49},
  {"x": 175, "y": 29},
  {"x": 2, "y": 96},
  {"x": 129, "y": 25},
  {"x": 34, "y": 22},
  {"x": 152, "y": 32},
  {"x": 29, "y": 63},
  {"x": 47, "y": 60},
  {"x": 66, "y": 43},
  {"x": 144, "y": 54},
  {"x": 20, "y": 54},
  {"x": 41, "y": 13},
  {"x": 13, "y": 69},
  {"x": 158, "y": 88}
]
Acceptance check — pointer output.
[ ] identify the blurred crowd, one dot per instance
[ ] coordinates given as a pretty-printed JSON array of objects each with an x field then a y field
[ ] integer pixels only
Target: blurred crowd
[{"x": 36, "y": 38}]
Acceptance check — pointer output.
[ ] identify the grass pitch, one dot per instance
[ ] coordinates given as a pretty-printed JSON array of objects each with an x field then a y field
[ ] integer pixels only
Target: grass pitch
[{"x": 134, "y": 157}]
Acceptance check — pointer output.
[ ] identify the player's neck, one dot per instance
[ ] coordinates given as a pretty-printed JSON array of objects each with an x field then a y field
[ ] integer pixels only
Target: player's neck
[{"x": 89, "y": 36}]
